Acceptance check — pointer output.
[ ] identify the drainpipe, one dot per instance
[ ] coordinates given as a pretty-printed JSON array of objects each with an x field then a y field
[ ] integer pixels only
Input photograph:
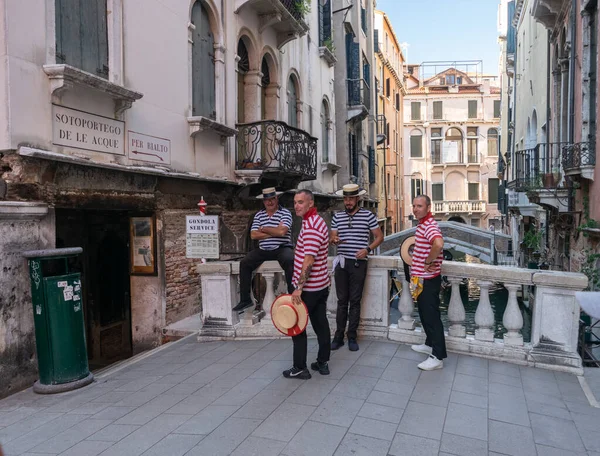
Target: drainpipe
[
  {"x": 571, "y": 102},
  {"x": 548, "y": 111}
]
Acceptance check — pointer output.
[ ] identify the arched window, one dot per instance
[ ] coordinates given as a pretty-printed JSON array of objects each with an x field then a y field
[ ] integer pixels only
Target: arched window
[
  {"x": 416, "y": 144},
  {"x": 203, "y": 64},
  {"x": 325, "y": 131},
  {"x": 453, "y": 146},
  {"x": 242, "y": 70},
  {"x": 492, "y": 142},
  {"x": 292, "y": 102}
]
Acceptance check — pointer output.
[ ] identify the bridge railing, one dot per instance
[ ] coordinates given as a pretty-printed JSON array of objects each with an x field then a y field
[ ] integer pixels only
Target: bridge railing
[
  {"x": 554, "y": 321},
  {"x": 447, "y": 207}
]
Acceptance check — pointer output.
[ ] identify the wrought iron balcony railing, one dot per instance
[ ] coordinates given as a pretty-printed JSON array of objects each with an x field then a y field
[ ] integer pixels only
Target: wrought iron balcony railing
[
  {"x": 359, "y": 93},
  {"x": 578, "y": 155},
  {"x": 274, "y": 146},
  {"x": 447, "y": 207},
  {"x": 539, "y": 167}
]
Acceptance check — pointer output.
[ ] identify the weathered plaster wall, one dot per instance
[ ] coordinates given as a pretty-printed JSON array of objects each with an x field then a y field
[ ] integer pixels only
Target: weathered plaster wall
[{"x": 18, "y": 360}]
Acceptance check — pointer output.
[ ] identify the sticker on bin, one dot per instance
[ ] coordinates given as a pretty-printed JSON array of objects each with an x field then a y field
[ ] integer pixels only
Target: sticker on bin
[
  {"x": 76, "y": 297},
  {"x": 62, "y": 284},
  {"x": 76, "y": 307},
  {"x": 38, "y": 309},
  {"x": 68, "y": 293}
]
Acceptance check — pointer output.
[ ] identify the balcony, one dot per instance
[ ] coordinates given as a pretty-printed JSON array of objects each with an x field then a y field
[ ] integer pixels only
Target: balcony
[
  {"x": 547, "y": 11},
  {"x": 271, "y": 149},
  {"x": 286, "y": 17},
  {"x": 538, "y": 171},
  {"x": 580, "y": 159},
  {"x": 456, "y": 207},
  {"x": 359, "y": 99}
]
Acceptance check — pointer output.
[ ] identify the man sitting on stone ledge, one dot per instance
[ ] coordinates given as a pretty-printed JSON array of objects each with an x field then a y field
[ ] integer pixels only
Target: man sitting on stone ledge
[{"x": 272, "y": 228}]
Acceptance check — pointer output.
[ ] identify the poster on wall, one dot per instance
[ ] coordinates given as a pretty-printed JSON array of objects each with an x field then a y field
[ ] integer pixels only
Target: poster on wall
[
  {"x": 202, "y": 236},
  {"x": 142, "y": 245}
]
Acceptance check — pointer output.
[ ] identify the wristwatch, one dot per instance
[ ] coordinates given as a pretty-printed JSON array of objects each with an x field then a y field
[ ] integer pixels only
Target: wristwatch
[{"x": 369, "y": 249}]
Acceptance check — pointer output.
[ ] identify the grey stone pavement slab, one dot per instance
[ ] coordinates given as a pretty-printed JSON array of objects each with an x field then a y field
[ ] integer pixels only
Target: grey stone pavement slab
[{"x": 229, "y": 398}]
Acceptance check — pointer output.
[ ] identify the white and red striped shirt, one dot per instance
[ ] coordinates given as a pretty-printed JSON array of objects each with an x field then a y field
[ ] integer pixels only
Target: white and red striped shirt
[
  {"x": 427, "y": 231},
  {"x": 313, "y": 240}
]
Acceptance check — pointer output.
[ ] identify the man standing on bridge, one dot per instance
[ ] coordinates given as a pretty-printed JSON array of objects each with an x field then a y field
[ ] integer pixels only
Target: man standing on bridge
[
  {"x": 350, "y": 231},
  {"x": 426, "y": 269}
]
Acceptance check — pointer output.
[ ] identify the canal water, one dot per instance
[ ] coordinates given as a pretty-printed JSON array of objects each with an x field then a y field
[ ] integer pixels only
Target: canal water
[{"x": 469, "y": 293}]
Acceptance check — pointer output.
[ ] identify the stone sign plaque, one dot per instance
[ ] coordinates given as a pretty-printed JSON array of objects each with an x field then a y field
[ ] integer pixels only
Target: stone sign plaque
[
  {"x": 148, "y": 148},
  {"x": 82, "y": 130}
]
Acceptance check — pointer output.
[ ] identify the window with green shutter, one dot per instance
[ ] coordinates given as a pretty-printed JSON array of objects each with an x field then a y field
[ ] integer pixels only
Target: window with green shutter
[
  {"x": 416, "y": 145},
  {"x": 438, "y": 110},
  {"x": 203, "y": 64},
  {"x": 472, "y": 109},
  {"x": 416, "y": 188},
  {"x": 82, "y": 35},
  {"x": 493, "y": 185},
  {"x": 437, "y": 192},
  {"x": 473, "y": 191},
  {"x": 497, "y": 106},
  {"x": 415, "y": 110}
]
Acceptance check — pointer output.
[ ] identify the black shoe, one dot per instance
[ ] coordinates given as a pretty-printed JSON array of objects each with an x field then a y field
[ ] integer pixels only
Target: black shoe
[
  {"x": 352, "y": 345},
  {"x": 295, "y": 372},
  {"x": 242, "y": 305},
  {"x": 323, "y": 368},
  {"x": 335, "y": 344}
]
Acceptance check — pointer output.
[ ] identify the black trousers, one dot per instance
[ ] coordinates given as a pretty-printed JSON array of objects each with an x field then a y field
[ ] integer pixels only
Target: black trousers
[
  {"x": 256, "y": 257},
  {"x": 316, "y": 303},
  {"x": 429, "y": 312},
  {"x": 349, "y": 284}
]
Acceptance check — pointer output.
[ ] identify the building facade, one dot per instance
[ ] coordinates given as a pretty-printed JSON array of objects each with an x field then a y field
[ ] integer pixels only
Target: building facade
[
  {"x": 553, "y": 166},
  {"x": 107, "y": 142},
  {"x": 451, "y": 123},
  {"x": 355, "y": 95},
  {"x": 389, "y": 82}
]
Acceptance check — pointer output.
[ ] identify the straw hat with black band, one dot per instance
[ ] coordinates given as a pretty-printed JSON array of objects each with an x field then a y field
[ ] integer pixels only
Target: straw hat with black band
[
  {"x": 406, "y": 250},
  {"x": 351, "y": 190},
  {"x": 268, "y": 192},
  {"x": 289, "y": 319}
]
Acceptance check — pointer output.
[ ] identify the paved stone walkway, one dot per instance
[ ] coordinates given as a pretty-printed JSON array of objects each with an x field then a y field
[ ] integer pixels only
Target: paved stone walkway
[{"x": 222, "y": 398}]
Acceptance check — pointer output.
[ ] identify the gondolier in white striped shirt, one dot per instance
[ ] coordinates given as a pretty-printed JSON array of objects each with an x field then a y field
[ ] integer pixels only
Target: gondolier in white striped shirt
[
  {"x": 272, "y": 228},
  {"x": 351, "y": 231}
]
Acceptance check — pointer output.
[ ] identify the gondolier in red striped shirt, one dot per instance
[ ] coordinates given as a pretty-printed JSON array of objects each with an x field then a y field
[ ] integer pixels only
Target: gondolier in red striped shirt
[
  {"x": 311, "y": 280},
  {"x": 427, "y": 266}
]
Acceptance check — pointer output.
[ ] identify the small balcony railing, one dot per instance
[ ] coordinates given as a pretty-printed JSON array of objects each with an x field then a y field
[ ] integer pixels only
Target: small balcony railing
[
  {"x": 467, "y": 207},
  {"x": 274, "y": 146},
  {"x": 576, "y": 156},
  {"x": 359, "y": 93},
  {"x": 539, "y": 167}
]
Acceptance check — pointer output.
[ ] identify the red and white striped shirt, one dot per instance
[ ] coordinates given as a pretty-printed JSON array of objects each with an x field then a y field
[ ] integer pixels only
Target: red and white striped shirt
[
  {"x": 313, "y": 240},
  {"x": 427, "y": 231}
]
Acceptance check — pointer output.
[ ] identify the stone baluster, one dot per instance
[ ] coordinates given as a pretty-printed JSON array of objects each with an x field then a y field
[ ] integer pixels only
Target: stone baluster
[
  {"x": 406, "y": 306},
  {"x": 456, "y": 310},
  {"x": 269, "y": 294},
  {"x": 484, "y": 316},
  {"x": 512, "y": 319}
]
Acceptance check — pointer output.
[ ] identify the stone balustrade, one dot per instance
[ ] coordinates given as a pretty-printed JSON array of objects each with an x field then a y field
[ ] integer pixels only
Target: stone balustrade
[
  {"x": 447, "y": 207},
  {"x": 555, "y": 312}
]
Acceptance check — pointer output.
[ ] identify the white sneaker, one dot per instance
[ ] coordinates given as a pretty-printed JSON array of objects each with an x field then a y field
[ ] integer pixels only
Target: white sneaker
[
  {"x": 425, "y": 349},
  {"x": 431, "y": 363}
]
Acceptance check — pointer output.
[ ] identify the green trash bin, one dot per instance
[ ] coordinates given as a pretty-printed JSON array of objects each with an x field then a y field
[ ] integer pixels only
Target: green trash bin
[{"x": 56, "y": 296}]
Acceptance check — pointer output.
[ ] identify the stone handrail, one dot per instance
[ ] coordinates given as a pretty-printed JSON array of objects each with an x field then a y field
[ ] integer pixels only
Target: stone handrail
[
  {"x": 555, "y": 312},
  {"x": 458, "y": 206}
]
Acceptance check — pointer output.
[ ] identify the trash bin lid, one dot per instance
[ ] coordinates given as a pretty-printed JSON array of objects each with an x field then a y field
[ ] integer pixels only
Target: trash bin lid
[{"x": 52, "y": 253}]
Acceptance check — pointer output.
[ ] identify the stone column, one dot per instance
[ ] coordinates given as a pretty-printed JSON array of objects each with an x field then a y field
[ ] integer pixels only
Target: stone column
[
  {"x": 252, "y": 81},
  {"x": 271, "y": 101},
  {"x": 220, "y": 83},
  {"x": 456, "y": 310},
  {"x": 512, "y": 319},
  {"x": 484, "y": 316},
  {"x": 218, "y": 293},
  {"x": 269, "y": 295},
  {"x": 555, "y": 320}
]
